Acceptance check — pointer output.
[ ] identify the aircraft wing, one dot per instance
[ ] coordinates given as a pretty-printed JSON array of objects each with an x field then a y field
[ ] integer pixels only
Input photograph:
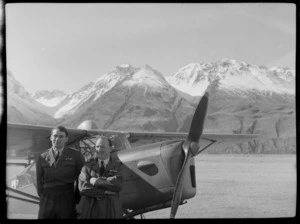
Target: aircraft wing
[
  {"x": 225, "y": 140},
  {"x": 24, "y": 141},
  {"x": 217, "y": 140}
]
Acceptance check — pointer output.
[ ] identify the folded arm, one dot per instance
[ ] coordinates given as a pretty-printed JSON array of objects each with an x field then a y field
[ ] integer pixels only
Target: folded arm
[
  {"x": 85, "y": 187},
  {"x": 111, "y": 183}
]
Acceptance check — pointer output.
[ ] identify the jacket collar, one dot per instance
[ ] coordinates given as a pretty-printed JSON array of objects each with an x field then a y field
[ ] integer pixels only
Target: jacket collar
[
  {"x": 94, "y": 165},
  {"x": 51, "y": 156},
  {"x": 65, "y": 153},
  {"x": 106, "y": 161}
]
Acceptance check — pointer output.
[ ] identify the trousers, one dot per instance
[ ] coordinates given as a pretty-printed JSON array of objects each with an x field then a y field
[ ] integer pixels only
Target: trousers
[{"x": 57, "y": 203}]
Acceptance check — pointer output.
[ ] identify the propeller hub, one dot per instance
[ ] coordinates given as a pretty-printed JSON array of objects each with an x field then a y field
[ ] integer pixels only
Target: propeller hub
[{"x": 194, "y": 148}]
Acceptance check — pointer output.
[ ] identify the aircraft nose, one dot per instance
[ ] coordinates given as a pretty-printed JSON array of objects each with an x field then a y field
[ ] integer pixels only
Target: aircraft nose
[{"x": 173, "y": 159}]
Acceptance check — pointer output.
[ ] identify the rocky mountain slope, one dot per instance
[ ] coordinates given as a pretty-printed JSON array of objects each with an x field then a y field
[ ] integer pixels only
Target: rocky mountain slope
[
  {"x": 22, "y": 108},
  {"x": 51, "y": 99},
  {"x": 247, "y": 99},
  {"x": 129, "y": 98}
]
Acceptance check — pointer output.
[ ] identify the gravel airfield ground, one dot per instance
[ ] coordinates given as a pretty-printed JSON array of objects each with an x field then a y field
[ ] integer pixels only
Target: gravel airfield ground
[{"x": 238, "y": 186}]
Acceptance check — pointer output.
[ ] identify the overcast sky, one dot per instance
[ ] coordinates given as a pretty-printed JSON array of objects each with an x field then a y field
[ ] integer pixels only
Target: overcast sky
[{"x": 65, "y": 46}]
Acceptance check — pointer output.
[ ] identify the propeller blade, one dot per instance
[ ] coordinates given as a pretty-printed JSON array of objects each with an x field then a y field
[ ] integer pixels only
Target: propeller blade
[
  {"x": 179, "y": 182},
  {"x": 197, "y": 124},
  {"x": 190, "y": 149}
]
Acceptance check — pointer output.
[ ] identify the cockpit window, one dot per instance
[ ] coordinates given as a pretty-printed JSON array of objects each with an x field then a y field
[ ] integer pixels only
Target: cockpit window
[{"x": 117, "y": 143}]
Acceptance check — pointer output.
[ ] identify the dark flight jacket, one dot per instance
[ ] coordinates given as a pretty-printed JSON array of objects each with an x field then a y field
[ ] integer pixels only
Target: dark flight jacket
[
  {"x": 64, "y": 172},
  {"x": 56, "y": 183},
  {"x": 100, "y": 201}
]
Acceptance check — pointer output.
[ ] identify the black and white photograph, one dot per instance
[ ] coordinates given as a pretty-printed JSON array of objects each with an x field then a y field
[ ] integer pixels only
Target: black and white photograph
[{"x": 150, "y": 110}]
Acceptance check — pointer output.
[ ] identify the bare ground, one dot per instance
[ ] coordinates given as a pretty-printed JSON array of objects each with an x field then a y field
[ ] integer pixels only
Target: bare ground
[{"x": 240, "y": 186}]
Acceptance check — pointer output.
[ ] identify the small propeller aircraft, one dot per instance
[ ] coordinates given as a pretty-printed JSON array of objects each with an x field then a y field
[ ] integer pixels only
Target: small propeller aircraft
[{"x": 159, "y": 168}]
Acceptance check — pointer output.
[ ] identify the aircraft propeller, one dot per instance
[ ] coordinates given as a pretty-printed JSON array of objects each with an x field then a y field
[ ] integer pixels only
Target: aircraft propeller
[{"x": 190, "y": 148}]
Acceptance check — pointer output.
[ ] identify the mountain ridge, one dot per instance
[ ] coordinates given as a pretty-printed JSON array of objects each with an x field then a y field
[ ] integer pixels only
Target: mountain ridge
[
  {"x": 142, "y": 99},
  {"x": 233, "y": 75}
]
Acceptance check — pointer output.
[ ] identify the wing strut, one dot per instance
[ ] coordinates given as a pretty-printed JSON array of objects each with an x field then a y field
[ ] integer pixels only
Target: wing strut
[
  {"x": 212, "y": 142},
  {"x": 23, "y": 199},
  {"x": 36, "y": 199}
]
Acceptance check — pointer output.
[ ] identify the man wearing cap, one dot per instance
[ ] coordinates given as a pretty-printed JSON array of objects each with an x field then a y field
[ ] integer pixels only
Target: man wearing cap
[
  {"x": 57, "y": 171},
  {"x": 100, "y": 182}
]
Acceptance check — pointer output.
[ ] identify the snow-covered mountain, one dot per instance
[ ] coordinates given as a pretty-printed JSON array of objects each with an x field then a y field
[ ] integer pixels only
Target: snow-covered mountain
[
  {"x": 93, "y": 90},
  {"x": 52, "y": 100},
  {"x": 128, "y": 98},
  {"x": 233, "y": 76},
  {"x": 22, "y": 108},
  {"x": 49, "y": 98},
  {"x": 246, "y": 99}
]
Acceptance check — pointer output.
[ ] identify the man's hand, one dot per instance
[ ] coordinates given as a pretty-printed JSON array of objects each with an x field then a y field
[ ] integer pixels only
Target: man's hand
[
  {"x": 14, "y": 184},
  {"x": 93, "y": 180},
  {"x": 111, "y": 178}
]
